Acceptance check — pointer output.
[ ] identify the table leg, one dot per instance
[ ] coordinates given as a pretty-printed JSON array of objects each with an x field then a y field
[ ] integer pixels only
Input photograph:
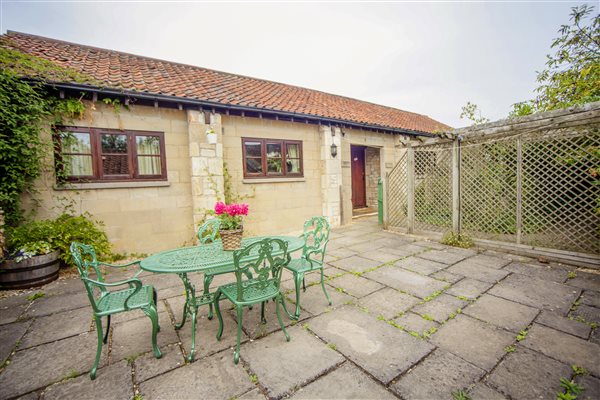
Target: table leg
[{"x": 189, "y": 309}]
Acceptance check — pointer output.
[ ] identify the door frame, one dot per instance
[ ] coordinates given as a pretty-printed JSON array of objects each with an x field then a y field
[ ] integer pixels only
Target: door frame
[{"x": 364, "y": 168}]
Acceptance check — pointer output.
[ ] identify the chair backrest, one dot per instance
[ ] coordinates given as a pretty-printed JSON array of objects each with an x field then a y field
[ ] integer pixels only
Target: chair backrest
[
  {"x": 209, "y": 230},
  {"x": 265, "y": 267},
  {"x": 85, "y": 260},
  {"x": 316, "y": 237}
]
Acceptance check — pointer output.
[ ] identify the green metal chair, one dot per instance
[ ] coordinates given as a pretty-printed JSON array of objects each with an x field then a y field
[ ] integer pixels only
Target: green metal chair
[
  {"x": 106, "y": 303},
  {"x": 246, "y": 291},
  {"x": 316, "y": 237},
  {"x": 207, "y": 233}
]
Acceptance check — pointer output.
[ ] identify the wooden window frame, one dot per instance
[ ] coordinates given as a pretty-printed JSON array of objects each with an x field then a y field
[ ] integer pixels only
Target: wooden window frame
[
  {"x": 263, "y": 156},
  {"x": 96, "y": 152}
]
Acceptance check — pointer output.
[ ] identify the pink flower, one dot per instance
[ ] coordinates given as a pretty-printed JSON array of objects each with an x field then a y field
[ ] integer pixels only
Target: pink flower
[
  {"x": 244, "y": 209},
  {"x": 220, "y": 207}
]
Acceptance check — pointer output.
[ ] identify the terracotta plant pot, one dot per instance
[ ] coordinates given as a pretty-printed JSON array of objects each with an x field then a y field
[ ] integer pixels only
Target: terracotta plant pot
[
  {"x": 231, "y": 239},
  {"x": 35, "y": 271}
]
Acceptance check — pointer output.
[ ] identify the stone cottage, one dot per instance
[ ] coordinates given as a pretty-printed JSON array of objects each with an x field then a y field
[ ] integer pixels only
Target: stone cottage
[{"x": 149, "y": 171}]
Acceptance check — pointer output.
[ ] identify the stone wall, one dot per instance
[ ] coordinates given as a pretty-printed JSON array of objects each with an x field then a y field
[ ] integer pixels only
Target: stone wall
[{"x": 372, "y": 174}]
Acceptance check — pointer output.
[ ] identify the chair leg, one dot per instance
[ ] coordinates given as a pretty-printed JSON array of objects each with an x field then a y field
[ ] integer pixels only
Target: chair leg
[
  {"x": 219, "y": 316},
  {"x": 297, "y": 279},
  {"x": 155, "y": 298},
  {"x": 277, "y": 301},
  {"x": 207, "y": 281},
  {"x": 303, "y": 284},
  {"x": 98, "y": 349},
  {"x": 323, "y": 286},
  {"x": 263, "y": 320},
  {"x": 107, "y": 329},
  {"x": 153, "y": 315},
  {"x": 240, "y": 312}
]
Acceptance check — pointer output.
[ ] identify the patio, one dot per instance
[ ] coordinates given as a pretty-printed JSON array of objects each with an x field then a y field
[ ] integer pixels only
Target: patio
[{"x": 410, "y": 319}]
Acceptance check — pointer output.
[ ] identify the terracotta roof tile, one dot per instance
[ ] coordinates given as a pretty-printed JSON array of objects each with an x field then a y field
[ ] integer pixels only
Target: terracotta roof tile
[{"x": 136, "y": 73}]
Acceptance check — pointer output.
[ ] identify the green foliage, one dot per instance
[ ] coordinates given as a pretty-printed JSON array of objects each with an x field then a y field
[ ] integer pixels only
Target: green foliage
[
  {"x": 427, "y": 317},
  {"x": 461, "y": 395},
  {"x": 457, "y": 240},
  {"x": 510, "y": 349},
  {"x": 26, "y": 110},
  {"x": 577, "y": 370},
  {"x": 35, "y": 296},
  {"x": 522, "y": 335},
  {"x": 572, "y": 73},
  {"x": 332, "y": 346},
  {"x": 571, "y": 390},
  {"x": 59, "y": 233},
  {"x": 472, "y": 112},
  {"x": 572, "y": 275}
]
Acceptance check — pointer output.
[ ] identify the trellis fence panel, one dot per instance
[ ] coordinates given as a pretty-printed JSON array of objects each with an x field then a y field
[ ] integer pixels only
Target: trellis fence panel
[{"x": 535, "y": 189}]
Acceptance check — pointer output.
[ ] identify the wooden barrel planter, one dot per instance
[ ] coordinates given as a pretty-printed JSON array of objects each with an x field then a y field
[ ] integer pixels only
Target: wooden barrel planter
[{"x": 35, "y": 271}]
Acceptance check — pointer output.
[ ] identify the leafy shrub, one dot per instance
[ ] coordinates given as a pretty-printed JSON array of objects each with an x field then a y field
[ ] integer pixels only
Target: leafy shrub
[
  {"x": 457, "y": 240},
  {"x": 59, "y": 233}
]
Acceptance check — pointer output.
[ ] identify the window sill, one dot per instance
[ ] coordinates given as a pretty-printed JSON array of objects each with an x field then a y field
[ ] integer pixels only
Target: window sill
[
  {"x": 112, "y": 185},
  {"x": 273, "y": 180}
]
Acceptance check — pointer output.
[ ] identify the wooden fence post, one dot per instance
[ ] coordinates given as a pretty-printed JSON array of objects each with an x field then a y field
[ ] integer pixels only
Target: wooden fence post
[
  {"x": 410, "y": 188},
  {"x": 456, "y": 186},
  {"x": 519, "y": 188}
]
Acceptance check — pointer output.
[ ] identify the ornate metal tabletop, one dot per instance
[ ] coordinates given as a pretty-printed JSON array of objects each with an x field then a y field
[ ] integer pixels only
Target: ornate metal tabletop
[{"x": 208, "y": 258}]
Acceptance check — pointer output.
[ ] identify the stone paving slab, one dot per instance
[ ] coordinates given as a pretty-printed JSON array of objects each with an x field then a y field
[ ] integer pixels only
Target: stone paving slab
[
  {"x": 440, "y": 308},
  {"x": 431, "y": 245},
  {"x": 474, "y": 341},
  {"x": 483, "y": 392},
  {"x": 591, "y": 387},
  {"x": 420, "y": 265},
  {"x": 591, "y": 298},
  {"x": 536, "y": 293},
  {"x": 527, "y": 374},
  {"x": 112, "y": 382},
  {"x": 215, "y": 377},
  {"x": 477, "y": 271},
  {"x": 346, "y": 382},
  {"x": 254, "y": 394},
  {"x": 405, "y": 250},
  {"x": 502, "y": 313},
  {"x": 412, "y": 322},
  {"x": 134, "y": 337},
  {"x": 355, "y": 263},
  {"x": 309, "y": 356},
  {"x": 489, "y": 261},
  {"x": 379, "y": 348},
  {"x": 436, "y": 377},
  {"x": 447, "y": 276},
  {"x": 469, "y": 288},
  {"x": 355, "y": 285},
  {"x": 586, "y": 280},
  {"x": 345, "y": 241},
  {"x": 588, "y": 313},
  {"x": 147, "y": 366},
  {"x": 251, "y": 323},
  {"x": 387, "y": 302},
  {"x": 442, "y": 256},
  {"x": 58, "y": 326},
  {"x": 11, "y": 313},
  {"x": 53, "y": 304},
  {"x": 545, "y": 272},
  {"x": 314, "y": 301},
  {"x": 51, "y": 362},
  {"x": 341, "y": 253},
  {"x": 380, "y": 255},
  {"x": 558, "y": 322},
  {"x": 564, "y": 347},
  {"x": 9, "y": 335},
  {"x": 410, "y": 282}
]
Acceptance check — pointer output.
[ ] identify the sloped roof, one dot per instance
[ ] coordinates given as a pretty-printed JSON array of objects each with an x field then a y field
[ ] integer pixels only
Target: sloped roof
[{"x": 113, "y": 69}]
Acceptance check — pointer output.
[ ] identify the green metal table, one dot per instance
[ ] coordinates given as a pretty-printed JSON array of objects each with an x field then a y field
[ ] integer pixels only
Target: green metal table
[{"x": 207, "y": 259}]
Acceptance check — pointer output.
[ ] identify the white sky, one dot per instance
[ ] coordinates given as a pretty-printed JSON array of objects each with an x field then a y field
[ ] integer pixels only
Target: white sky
[{"x": 429, "y": 58}]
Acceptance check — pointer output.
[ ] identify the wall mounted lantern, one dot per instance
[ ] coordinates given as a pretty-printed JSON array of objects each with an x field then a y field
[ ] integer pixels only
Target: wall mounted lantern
[{"x": 333, "y": 150}]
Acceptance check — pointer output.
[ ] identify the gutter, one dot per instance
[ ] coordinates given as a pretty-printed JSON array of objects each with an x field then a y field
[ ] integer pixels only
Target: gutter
[{"x": 210, "y": 105}]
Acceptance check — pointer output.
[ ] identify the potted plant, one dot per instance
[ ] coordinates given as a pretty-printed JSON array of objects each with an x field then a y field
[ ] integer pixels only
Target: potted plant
[
  {"x": 211, "y": 136},
  {"x": 231, "y": 227},
  {"x": 33, "y": 264}
]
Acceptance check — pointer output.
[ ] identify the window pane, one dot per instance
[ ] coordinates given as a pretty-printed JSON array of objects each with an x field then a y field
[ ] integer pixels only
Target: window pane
[
  {"x": 253, "y": 149},
  {"x": 293, "y": 166},
  {"x": 274, "y": 165},
  {"x": 274, "y": 150},
  {"x": 114, "y": 143},
  {"x": 78, "y": 165},
  {"x": 75, "y": 142},
  {"x": 113, "y": 164},
  {"x": 292, "y": 150},
  {"x": 149, "y": 165},
  {"x": 253, "y": 165},
  {"x": 148, "y": 145}
]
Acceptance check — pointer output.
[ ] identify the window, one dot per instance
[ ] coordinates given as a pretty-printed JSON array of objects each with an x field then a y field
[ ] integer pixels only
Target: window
[
  {"x": 272, "y": 158},
  {"x": 93, "y": 154}
]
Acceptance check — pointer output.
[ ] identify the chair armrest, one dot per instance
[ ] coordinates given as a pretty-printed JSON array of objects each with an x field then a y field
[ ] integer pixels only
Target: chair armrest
[
  {"x": 134, "y": 283},
  {"x": 136, "y": 262}
]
